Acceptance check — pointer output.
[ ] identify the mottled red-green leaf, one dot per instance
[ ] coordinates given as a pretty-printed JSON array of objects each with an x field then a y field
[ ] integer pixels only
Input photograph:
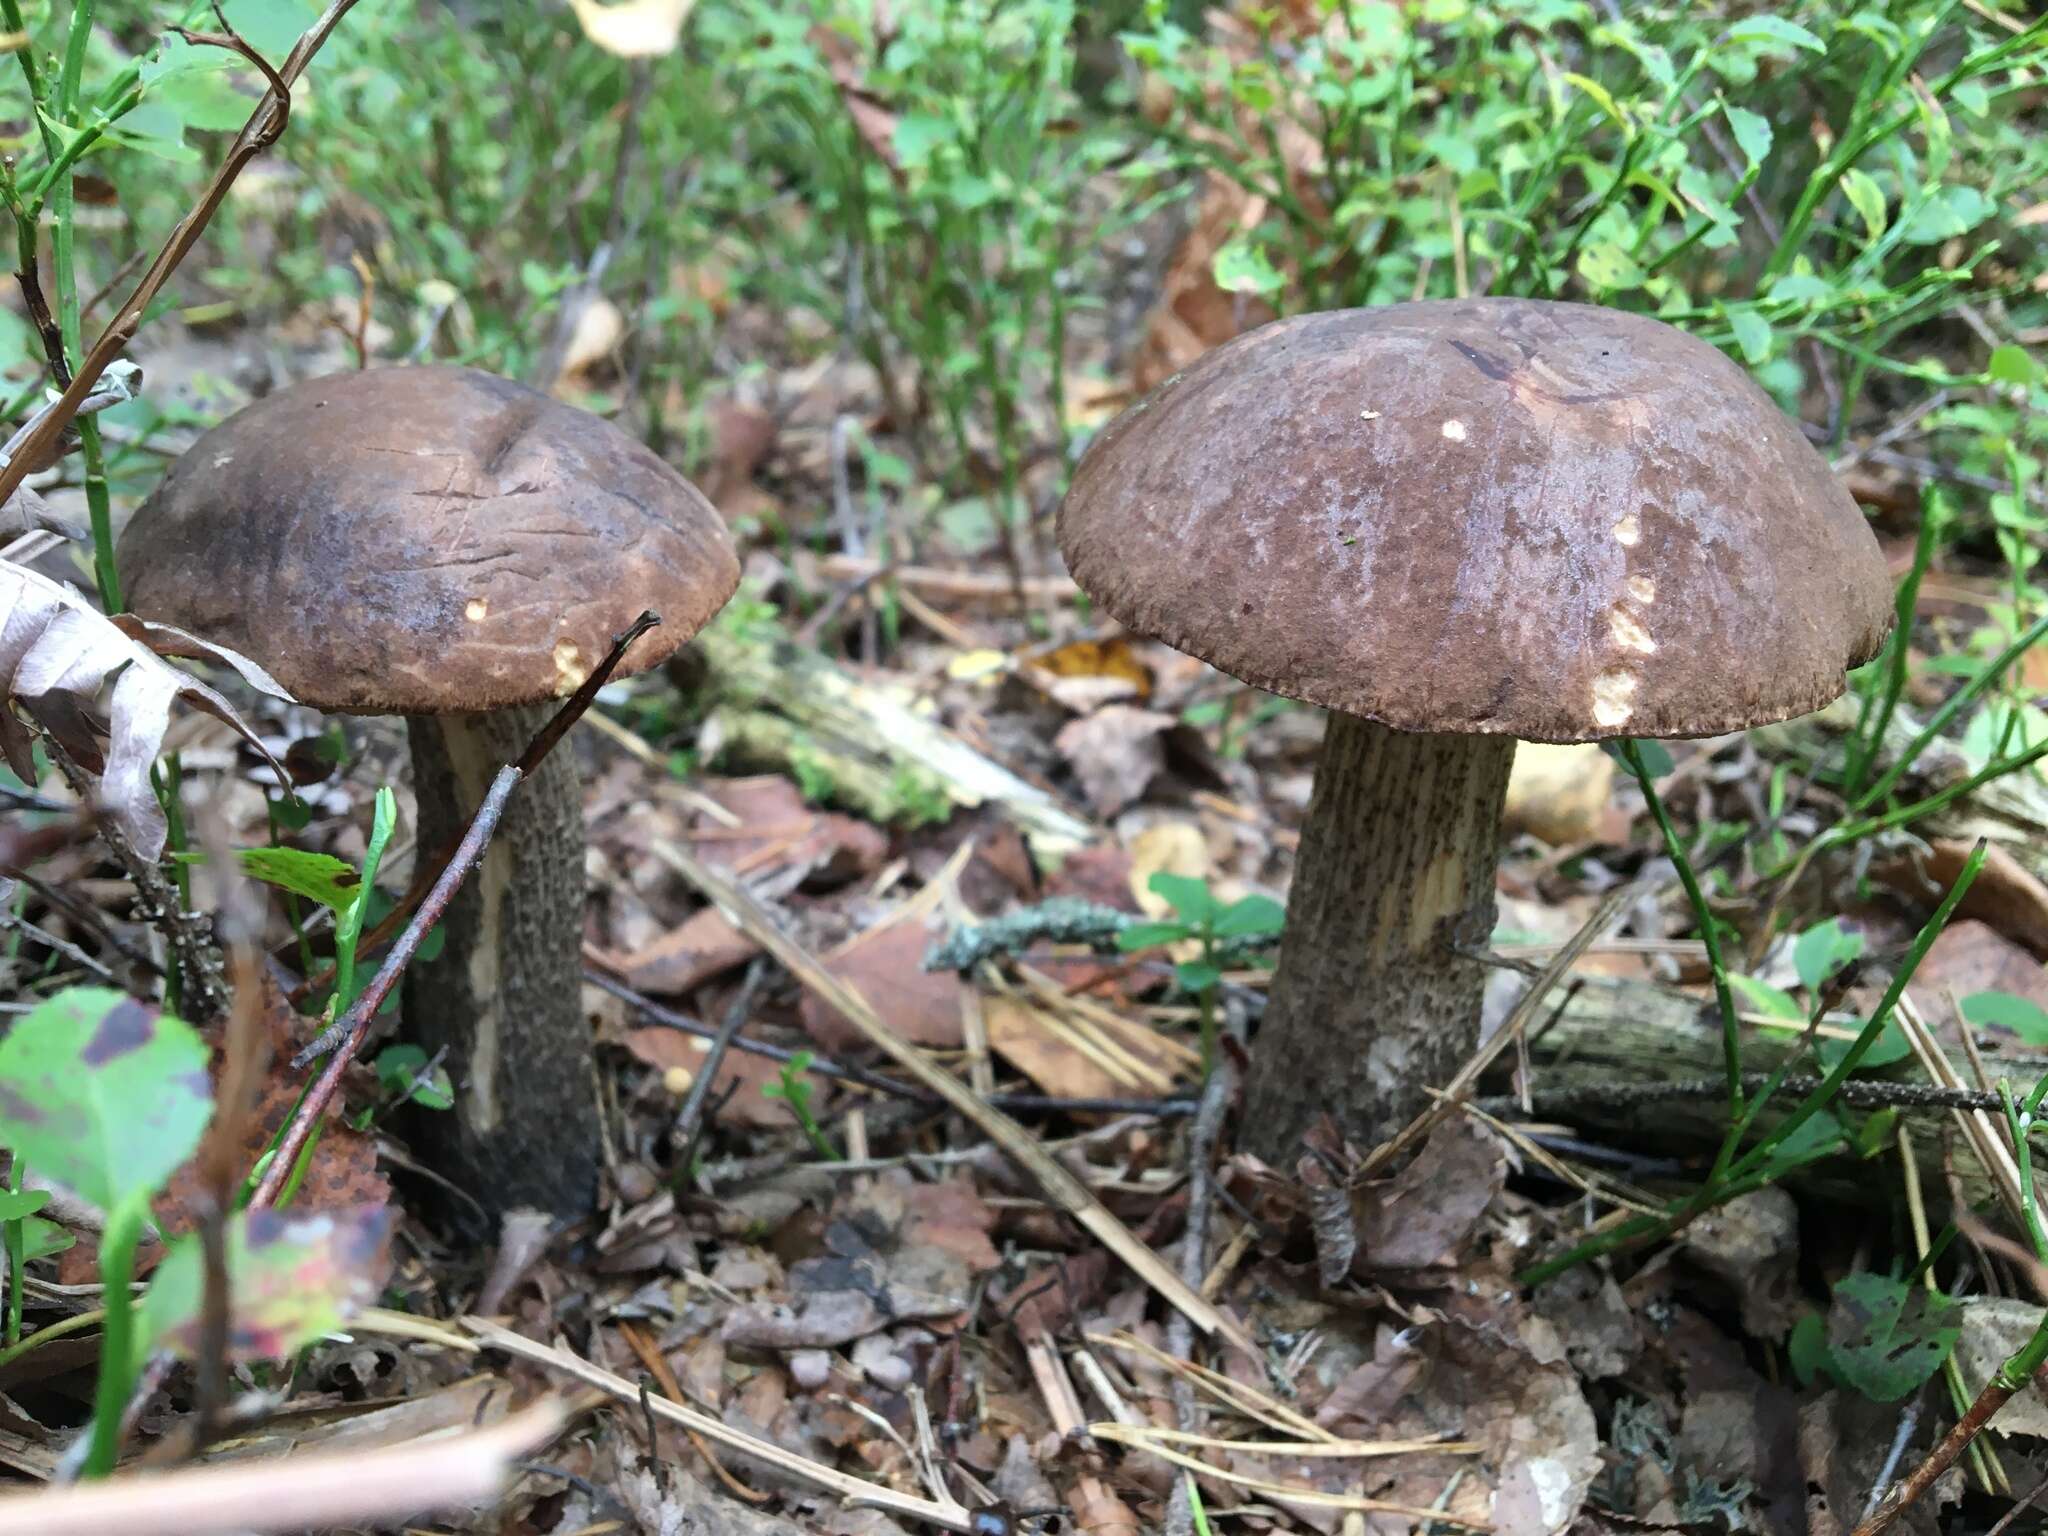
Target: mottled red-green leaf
[
  {"x": 291, "y": 1278},
  {"x": 103, "y": 1094}
]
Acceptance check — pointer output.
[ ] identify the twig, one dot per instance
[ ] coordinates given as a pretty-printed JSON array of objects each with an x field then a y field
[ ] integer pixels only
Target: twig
[
  {"x": 824, "y": 1066},
  {"x": 1857, "y": 1093},
  {"x": 1194, "y": 1263},
  {"x": 311, "y": 1491},
  {"x": 346, "y": 1036},
  {"x": 689, "y": 1120},
  {"x": 1060, "y": 1186},
  {"x": 257, "y": 135},
  {"x": 2026, "y": 1502},
  {"x": 1908, "y": 1422},
  {"x": 1903, "y": 1495},
  {"x": 1595, "y": 925},
  {"x": 855, "y": 1491}
]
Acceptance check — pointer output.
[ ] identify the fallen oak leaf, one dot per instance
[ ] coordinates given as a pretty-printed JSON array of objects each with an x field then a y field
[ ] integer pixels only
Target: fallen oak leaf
[{"x": 57, "y": 653}]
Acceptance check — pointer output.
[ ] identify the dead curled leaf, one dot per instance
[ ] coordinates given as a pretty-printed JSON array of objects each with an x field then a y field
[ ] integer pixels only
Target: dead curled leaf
[
  {"x": 56, "y": 654},
  {"x": 634, "y": 29},
  {"x": 1116, "y": 753}
]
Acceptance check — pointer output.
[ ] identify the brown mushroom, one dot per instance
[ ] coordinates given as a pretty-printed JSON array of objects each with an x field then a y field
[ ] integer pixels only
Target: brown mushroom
[
  {"x": 1454, "y": 524},
  {"x": 456, "y": 548}
]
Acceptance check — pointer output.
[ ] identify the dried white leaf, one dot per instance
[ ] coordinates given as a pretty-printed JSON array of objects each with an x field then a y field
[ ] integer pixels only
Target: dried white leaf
[
  {"x": 57, "y": 654},
  {"x": 634, "y": 29},
  {"x": 28, "y": 512}
]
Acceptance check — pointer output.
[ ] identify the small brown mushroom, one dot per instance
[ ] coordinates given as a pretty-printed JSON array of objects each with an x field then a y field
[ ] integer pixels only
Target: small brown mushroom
[
  {"x": 456, "y": 548},
  {"x": 1454, "y": 524}
]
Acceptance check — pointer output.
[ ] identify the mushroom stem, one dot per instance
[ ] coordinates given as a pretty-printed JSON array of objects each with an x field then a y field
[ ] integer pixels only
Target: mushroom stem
[
  {"x": 1376, "y": 996},
  {"x": 504, "y": 996}
]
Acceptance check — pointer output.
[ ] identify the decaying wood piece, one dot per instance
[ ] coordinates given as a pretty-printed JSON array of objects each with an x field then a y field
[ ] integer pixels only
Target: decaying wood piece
[
  {"x": 845, "y": 717},
  {"x": 1615, "y": 1040}
]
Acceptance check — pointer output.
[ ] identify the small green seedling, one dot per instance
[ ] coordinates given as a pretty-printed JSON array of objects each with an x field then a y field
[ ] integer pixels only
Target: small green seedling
[
  {"x": 408, "y": 1077},
  {"x": 793, "y": 1087},
  {"x": 1198, "y": 916},
  {"x": 108, "y": 1097}
]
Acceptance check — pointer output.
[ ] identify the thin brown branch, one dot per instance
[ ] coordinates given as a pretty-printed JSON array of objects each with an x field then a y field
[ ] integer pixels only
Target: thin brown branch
[
  {"x": 257, "y": 135},
  {"x": 1904, "y": 1495}
]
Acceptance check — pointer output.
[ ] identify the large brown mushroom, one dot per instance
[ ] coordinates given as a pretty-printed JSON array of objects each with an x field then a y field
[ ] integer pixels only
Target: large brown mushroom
[
  {"x": 1454, "y": 524},
  {"x": 456, "y": 548}
]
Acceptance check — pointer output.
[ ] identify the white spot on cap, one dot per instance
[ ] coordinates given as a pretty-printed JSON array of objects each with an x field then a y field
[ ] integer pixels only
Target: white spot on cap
[
  {"x": 569, "y": 668},
  {"x": 1614, "y": 694},
  {"x": 1628, "y": 530},
  {"x": 1642, "y": 589},
  {"x": 1368, "y": 415},
  {"x": 1628, "y": 632},
  {"x": 477, "y": 610},
  {"x": 1454, "y": 430}
]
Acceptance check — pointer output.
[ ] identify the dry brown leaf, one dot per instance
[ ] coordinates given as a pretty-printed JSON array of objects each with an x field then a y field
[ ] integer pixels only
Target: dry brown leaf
[
  {"x": 1021, "y": 1036},
  {"x": 1116, "y": 753},
  {"x": 29, "y": 512},
  {"x": 886, "y": 966},
  {"x": 1424, "y": 1214},
  {"x": 2005, "y": 894},
  {"x": 57, "y": 653},
  {"x": 634, "y": 29},
  {"x": 1169, "y": 847},
  {"x": 736, "y": 1097},
  {"x": 702, "y": 946},
  {"x": 1975, "y": 957},
  {"x": 872, "y": 120}
]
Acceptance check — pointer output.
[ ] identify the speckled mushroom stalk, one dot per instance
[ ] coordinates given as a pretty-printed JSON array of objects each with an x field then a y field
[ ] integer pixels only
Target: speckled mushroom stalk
[
  {"x": 501, "y": 1004},
  {"x": 460, "y": 550},
  {"x": 1453, "y": 525},
  {"x": 1380, "y": 981}
]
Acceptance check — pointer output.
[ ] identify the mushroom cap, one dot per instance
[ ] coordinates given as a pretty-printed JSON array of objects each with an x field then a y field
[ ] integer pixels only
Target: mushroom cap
[
  {"x": 1545, "y": 520},
  {"x": 426, "y": 540}
]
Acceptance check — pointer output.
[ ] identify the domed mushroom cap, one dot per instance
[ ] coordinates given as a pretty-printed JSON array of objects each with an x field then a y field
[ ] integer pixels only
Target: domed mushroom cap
[
  {"x": 1551, "y": 521},
  {"x": 426, "y": 540}
]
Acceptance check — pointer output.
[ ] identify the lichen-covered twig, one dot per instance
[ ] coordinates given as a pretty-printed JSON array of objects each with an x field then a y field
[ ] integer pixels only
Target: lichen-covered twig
[{"x": 1061, "y": 920}]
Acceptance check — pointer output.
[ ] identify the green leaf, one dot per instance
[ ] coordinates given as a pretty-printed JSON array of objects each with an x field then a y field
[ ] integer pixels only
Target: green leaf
[
  {"x": 1752, "y": 133},
  {"x": 1766, "y": 999},
  {"x": 1196, "y": 976},
  {"x": 291, "y": 1279},
  {"x": 1655, "y": 755},
  {"x": 1607, "y": 267},
  {"x": 1766, "y": 31},
  {"x": 1823, "y": 950},
  {"x": 1251, "y": 917},
  {"x": 1890, "y": 1047},
  {"x": 318, "y": 877},
  {"x": 42, "y": 1239},
  {"x": 20, "y": 1204},
  {"x": 1241, "y": 267},
  {"x": 399, "y": 1069},
  {"x": 1752, "y": 334},
  {"x": 1604, "y": 100},
  {"x": 103, "y": 1094},
  {"x": 1886, "y": 1337},
  {"x": 1807, "y": 1349},
  {"x": 1867, "y": 198},
  {"x": 918, "y": 135},
  {"x": 1149, "y": 935},
  {"x": 271, "y": 27},
  {"x": 1952, "y": 210},
  {"x": 2002, "y": 1010},
  {"x": 1189, "y": 897},
  {"x": 2011, "y": 364},
  {"x": 348, "y": 926}
]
